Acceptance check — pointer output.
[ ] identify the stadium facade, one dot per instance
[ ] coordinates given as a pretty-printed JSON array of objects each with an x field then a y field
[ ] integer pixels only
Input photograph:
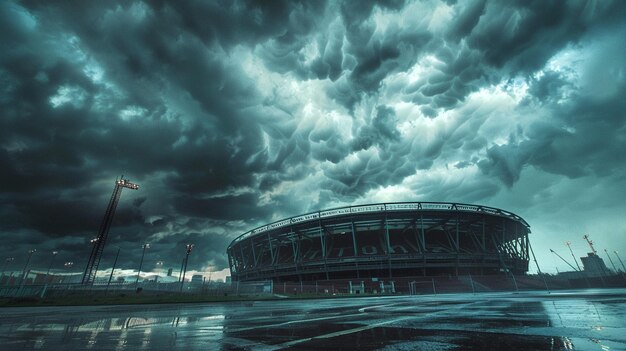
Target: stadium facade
[{"x": 385, "y": 240}]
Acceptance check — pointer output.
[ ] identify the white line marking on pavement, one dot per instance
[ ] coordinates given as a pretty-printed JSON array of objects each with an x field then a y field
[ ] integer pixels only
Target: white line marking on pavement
[{"x": 374, "y": 325}]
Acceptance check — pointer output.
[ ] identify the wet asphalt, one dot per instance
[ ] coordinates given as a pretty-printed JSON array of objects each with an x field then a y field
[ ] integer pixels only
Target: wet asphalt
[{"x": 563, "y": 320}]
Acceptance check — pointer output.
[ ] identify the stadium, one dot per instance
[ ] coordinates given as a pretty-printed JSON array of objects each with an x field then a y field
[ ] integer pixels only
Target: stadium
[{"x": 384, "y": 240}]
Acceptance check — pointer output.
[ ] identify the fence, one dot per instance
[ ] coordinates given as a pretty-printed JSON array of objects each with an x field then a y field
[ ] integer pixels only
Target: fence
[{"x": 371, "y": 286}]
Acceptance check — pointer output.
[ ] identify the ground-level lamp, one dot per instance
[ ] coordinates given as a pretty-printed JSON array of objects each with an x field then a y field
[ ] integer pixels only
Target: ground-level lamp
[{"x": 189, "y": 247}]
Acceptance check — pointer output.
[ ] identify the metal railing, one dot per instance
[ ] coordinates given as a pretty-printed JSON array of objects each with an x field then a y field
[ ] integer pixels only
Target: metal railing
[{"x": 380, "y": 207}]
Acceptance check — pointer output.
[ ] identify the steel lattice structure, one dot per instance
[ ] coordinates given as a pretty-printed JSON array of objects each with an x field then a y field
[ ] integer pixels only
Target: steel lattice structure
[
  {"x": 384, "y": 240},
  {"x": 98, "y": 243}
]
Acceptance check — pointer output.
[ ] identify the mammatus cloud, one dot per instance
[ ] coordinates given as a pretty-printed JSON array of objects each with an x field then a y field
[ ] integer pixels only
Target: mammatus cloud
[{"x": 232, "y": 115}]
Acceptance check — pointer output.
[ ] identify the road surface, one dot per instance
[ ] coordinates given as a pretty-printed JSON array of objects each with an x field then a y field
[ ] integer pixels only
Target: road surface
[{"x": 562, "y": 320}]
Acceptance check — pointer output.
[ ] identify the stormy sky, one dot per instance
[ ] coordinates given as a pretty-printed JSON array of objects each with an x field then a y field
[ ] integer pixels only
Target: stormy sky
[{"x": 231, "y": 114}]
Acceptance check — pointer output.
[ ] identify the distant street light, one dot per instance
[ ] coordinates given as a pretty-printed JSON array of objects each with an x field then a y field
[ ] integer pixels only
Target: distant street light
[
  {"x": 54, "y": 253},
  {"x": 610, "y": 260},
  {"x": 112, "y": 270},
  {"x": 144, "y": 246},
  {"x": 7, "y": 261},
  {"x": 68, "y": 266},
  {"x": 189, "y": 248},
  {"x": 24, "y": 271},
  {"x": 159, "y": 268},
  {"x": 620, "y": 260}
]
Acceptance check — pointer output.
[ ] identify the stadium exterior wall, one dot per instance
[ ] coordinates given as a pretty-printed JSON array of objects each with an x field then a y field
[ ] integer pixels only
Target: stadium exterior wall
[{"x": 386, "y": 240}]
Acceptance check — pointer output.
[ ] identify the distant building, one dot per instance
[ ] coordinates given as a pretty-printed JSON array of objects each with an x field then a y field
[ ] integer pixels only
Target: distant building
[
  {"x": 197, "y": 279},
  {"x": 594, "y": 265}
]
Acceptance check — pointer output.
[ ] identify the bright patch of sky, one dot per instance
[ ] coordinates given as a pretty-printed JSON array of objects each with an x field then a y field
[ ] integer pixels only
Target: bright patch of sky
[{"x": 66, "y": 94}]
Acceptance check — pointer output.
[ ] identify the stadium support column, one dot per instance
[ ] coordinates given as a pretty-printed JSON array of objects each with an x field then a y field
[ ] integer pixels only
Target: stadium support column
[
  {"x": 423, "y": 240},
  {"x": 482, "y": 261},
  {"x": 323, "y": 243},
  {"x": 243, "y": 258},
  {"x": 388, "y": 249},
  {"x": 269, "y": 242},
  {"x": 256, "y": 263},
  {"x": 456, "y": 245},
  {"x": 354, "y": 246}
]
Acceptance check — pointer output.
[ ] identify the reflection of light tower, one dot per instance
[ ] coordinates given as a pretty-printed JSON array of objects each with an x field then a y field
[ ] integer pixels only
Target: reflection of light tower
[
  {"x": 610, "y": 260},
  {"x": 620, "y": 260},
  {"x": 189, "y": 248},
  {"x": 145, "y": 246},
  {"x": 54, "y": 253},
  {"x": 570, "y": 250}
]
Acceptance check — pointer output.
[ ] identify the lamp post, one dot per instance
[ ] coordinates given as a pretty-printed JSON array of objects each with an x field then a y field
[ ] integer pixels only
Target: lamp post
[
  {"x": 182, "y": 281},
  {"x": 610, "y": 260},
  {"x": 159, "y": 265},
  {"x": 24, "y": 271},
  {"x": 68, "y": 266},
  {"x": 4, "y": 267},
  {"x": 94, "y": 243},
  {"x": 620, "y": 260},
  {"x": 144, "y": 246},
  {"x": 54, "y": 253},
  {"x": 112, "y": 270}
]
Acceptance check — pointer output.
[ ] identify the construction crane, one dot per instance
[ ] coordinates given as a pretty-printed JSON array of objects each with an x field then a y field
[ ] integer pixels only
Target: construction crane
[
  {"x": 98, "y": 242},
  {"x": 564, "y": 260},
  {"x": 586, "y": 237}
]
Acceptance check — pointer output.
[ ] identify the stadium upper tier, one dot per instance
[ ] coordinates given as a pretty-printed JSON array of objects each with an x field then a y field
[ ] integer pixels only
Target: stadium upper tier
[{"x": 383, "y": 240}]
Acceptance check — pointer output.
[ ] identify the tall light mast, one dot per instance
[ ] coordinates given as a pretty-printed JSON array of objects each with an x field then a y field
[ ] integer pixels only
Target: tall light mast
[
  {"x": 98, "y": 243},
  {"x": 572, "y": 252}
]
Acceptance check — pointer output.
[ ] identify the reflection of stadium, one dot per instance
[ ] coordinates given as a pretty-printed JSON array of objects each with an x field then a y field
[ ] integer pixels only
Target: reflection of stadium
[{"x": 383, "y": 240}]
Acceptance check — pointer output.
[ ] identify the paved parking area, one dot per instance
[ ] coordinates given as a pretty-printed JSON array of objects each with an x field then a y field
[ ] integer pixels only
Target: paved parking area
[{"x": 563, "y": 320}]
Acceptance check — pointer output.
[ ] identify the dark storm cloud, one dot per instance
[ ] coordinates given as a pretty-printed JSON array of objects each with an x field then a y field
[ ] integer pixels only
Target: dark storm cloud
[
  {"x": 231, "y": 114},
  {"x": 381, "y": 131}
]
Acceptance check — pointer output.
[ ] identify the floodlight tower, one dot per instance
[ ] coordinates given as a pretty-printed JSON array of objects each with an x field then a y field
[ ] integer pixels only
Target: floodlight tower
[{"x": 98, "y": 243}]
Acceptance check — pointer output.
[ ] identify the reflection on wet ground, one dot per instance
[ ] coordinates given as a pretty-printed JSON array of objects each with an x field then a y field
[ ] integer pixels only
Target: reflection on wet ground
[{"x": 570, "y": 320}]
